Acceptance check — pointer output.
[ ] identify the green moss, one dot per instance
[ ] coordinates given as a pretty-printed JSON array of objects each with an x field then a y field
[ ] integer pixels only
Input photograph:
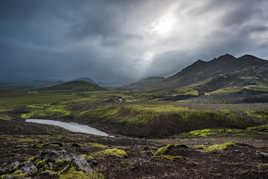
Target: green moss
[
  {"x": 26, "y": 140},
  {"x": 171, "y": 157},
  {"x": 5, "y": 117},
  {"x": 87, "y": 157},
  {"x": 18, "y": 174},
  {"x": 60, "y": 161},
  {"x": 257, "y": 114},
  {"x": 111, "y": 152},
  {"x": 224, "y": 91},
  {"x": 162, "y": 150},
  {"x": 263, "y": 165},
  {"x": 258, "y": 128},
  {"x": 50, "y": 173},
  {"x": 41, "y": 164},
  {"x": 259, "y": 87},
  {"x": 73, "y": 173},
  {"x": 210, "y": 132},
  {"x": 96, "y": 145},
  {"x": 218, "y": 146},
  {"x": 160, "y": 108},
  {"x": 47, "y": 112},
  {"x": 161, "y": 153},
  {"x": 197, "y": 146}
]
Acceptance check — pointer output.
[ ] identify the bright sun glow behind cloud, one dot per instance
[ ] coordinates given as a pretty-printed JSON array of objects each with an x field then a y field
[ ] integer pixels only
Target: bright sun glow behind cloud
[{"x": 165, "y": 24}]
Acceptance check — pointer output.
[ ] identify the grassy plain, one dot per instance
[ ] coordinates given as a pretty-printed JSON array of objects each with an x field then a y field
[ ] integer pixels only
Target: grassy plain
[{"x": 127, "y": 114}]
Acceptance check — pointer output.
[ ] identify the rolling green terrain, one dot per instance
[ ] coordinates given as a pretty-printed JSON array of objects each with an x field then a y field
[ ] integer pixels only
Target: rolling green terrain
[
  {"x": 185, "y": 125},
  {"x": 77, "y": 85}
]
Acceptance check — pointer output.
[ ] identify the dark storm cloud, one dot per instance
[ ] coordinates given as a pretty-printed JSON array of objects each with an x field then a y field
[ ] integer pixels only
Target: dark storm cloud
[{"x": 115, "y": 41}]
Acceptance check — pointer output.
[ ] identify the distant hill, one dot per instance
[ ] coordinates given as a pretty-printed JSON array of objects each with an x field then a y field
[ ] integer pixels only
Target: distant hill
[
  {"x": 141, "y": 84},
  {"x": 27, "y": 85},
  {"x": 86, "y": 79},
  {"x": 77, "y": 85},
  {"x": 245, "y": 76}
]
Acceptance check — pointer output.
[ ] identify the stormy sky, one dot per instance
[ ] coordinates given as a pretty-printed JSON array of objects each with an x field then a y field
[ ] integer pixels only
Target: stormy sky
[{"x": 120, "y": 41}]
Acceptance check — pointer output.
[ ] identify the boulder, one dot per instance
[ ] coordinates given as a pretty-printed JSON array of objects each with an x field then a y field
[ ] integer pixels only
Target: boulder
[
  {"x": 30, "y": 169},
  {"x": 53, "y": 155},
  {"x": 81, "y": 163}
]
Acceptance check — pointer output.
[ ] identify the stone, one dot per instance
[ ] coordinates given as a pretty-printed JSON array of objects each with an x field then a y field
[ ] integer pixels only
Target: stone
[
  {"x": 30, "y": 169},
  {"x": 262, "y": 154},
  {"x": 11, "y": 167},
  {"x": 53, "y": 155},
  {"x": 81, "y": 163}
]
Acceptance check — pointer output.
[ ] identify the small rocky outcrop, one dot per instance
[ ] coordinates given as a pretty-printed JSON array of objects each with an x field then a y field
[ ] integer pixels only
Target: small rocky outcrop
[
  {"x": 53, "y": 155},
  {"x": 47, "y": 163},
  {"x": 29, "y": 169},
  {"x": 81, "y": 163}
]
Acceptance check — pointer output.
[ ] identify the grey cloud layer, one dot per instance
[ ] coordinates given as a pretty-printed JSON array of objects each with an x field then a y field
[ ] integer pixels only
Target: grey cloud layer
[{"x": 109, "y": 40}]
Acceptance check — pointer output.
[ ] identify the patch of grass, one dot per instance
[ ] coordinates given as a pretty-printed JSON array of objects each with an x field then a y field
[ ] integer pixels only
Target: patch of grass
[
  {"x": 257, "y": 114},
  {"x": 260, "y": 87},
  {"x": 26, "y": 140},
  {"x": 263, "y": 165},
  {"x": 41, "y": 164},
  {"x": 258, "y": 128},
  {"x": 5, "y": 117},
  {"x": 162, "y": 153},
  {"x": 160, "y": 108},
  {"x": 224, "y": 91},
  {"x": 73, "y": 173},
  {"x": 166, "y": 119},
  {"x": 162, "y": 150},
  {"x": 51, "y": 173},
  {"x": 219, "y": 146},
  {"x": 210, "y": 132},
  {"x": 171, "y": 157},
  {"x": 179, "y": 91},
  {"x": 19, "y": 174},
  {"x": 48, "y": 112},
  {"x": 60, "y": 161},
  {"x": 96, "y": 145},
  {"x": 111, "y": 152},
  {"x": 23, "y": 98}
]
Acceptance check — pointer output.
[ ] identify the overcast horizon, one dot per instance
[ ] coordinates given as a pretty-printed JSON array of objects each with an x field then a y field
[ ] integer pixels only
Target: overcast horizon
[{"x": 121, "y": 41}]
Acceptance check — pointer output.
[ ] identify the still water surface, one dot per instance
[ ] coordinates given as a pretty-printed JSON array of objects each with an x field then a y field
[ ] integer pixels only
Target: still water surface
[{"x": 71, "y": 126}]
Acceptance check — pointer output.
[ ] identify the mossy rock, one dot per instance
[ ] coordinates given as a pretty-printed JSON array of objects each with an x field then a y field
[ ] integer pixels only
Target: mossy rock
[
  {"x": 210, "y": 132},
  {"x": 171, "y": 157},
  {"x": 18, "y": 174},
  {"x": 96, "y": 145},
  {"x": 111, "y": 152},
  {"x": 73, "y": 173},
  {"x": 170, "y": 150},
  {"x": 219, "y": 146}
]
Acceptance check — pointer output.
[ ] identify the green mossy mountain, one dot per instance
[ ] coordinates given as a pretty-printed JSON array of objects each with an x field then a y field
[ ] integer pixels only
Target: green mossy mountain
[
  {"x": 243, "y": 76},
  {"x": 77, "y": 85},
  {"x": 226, "y": 69}
]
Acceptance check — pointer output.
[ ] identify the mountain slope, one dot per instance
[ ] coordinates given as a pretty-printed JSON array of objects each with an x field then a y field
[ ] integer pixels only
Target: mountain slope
[
  {"x": 245, "y": 66},
  {"x": 141, "y": 84},
  {"x": 246, "y": 70},
  {"x": 75, "y": 86},
  {"x": 85, "y": 79},
  {"x": 243, "y": 76}
]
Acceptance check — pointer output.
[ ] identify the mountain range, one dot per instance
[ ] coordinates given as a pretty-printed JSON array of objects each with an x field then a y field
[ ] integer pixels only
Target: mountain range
[{"x": 225, "y": 75}]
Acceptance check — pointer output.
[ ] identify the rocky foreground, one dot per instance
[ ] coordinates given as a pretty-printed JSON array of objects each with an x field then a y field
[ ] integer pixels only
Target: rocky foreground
[
  {"x": 40, "y": 151},
  {"x": 126, "y": 158}
]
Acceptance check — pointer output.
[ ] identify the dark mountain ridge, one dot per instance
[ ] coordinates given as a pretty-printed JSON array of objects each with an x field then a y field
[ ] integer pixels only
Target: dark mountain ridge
[{"x": 222, "y": 72}]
